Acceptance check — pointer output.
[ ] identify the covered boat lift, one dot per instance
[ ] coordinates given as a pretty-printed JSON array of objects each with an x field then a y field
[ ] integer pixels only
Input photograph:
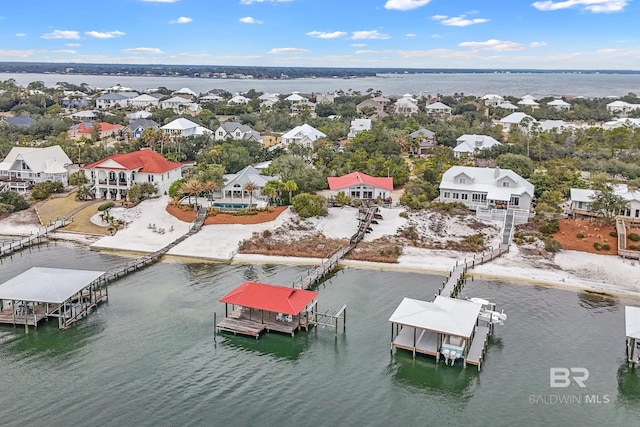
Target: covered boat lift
[
  {"x": 632, "y": 331},
  {"x": 258, "y": 307},
  {"x": 447, "y": 326},
  {"x": 40, "y": 293}
]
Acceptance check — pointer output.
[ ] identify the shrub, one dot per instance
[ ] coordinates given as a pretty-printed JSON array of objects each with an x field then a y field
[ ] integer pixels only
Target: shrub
[
  {"x": 552, "y": 245},
  {"x": 43, "y": 190},
  {"x": 16, "y": 201},
  {"x": 613, "y": 233},
  {"x": 633, "y": 247},
  {"x": 403, "y": 214},
  {"x": 475, "y": 239},
  {"x": 77, "y": 178},
  {"x": 308, "y": 205},
  {"x": 634, "y": 237},
  {"x": 550, "y": 226},
  {"x": 580, "y": 235},
  {"x": 105, "y": 206},
  {"x": 597, "y": 246},
  {"x": 606, "y": 247}
]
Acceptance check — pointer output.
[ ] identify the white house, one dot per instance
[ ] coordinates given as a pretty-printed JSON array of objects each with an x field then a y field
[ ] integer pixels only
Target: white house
[
  {"x": 621, "y": 107},
  {"x": 239, "y": 99},
  {"x": 405, "y": 106},
  {"x": 185, "y": 92},
  {"x": 178, "y": 103},
  {"x": 25, "y": 166},
  {"x": 211, "y": 98},
  {"x": 237, "y": 131},
  {"x": 358, "y": 185},
  {"x": 304, "y": 135},
  {"x": 559, "y": 105},
  {"x": 114, "y": 100},
  {"x": 514, "y": 121},
  {"x": 143, "y": 101},
  {"x": 111, "y": 177},
  {"x": 439, "y": 109},
  {"x": 492, "y": 100},
  {"x": 182, "y": 127},
  {"x": 486, "y": 188},
  {"x": 506, "y": 105},
  {"x": 581, "y": 199},
  {"x": 357, "y": 126},
  {"x": 467, "y": 145},
  {"x": 529, "y": 102},
  {"x": 234, "y": 186}
]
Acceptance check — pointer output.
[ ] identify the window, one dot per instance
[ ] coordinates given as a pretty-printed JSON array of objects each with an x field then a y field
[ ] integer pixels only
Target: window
[
  {"x": 447, "y": 195},
  {"x": 637, "y": 213},
  {"x": 506, "y": 184},
  {"x": 464, "y": 196},
  {"x": 463, "y": 180},
  {"x": 150, "y": 178},
  {"x": 514, "y": 201},
  {"x": 456, "y": 195},
  {"x": 479, "y": 197}
]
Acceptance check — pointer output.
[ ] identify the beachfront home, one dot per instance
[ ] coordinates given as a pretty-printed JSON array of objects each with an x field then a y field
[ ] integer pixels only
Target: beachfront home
[
  {"x": 304, "y": 135},
  {"x": 25, "y": 166},
  {"x": 491, "y": 188},
  {"x": 581, "y": 199},
  {"x": 91, "y": 130},
  {"x": 236, "y": 131},
  {"x": 111, "y": 177},
  {"x": 357, "y": 126},
  {"x": 234, "y": 189},
  {"x": 181, "y": 127},
  {"x": 358, "y": 185},
  {"x": 492, "y": 100},
  {"x": 468, "y": 145}
]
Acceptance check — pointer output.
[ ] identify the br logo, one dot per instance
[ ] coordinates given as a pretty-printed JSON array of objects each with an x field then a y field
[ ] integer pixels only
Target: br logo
[{"x": 562, "y": 377}]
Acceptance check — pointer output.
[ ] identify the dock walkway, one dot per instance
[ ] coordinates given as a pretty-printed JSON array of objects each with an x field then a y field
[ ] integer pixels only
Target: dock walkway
[{"x": 33, "y": 239}]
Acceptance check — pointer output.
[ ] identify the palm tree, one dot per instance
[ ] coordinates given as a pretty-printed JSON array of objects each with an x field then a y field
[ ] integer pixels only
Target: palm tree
[
  {"x": 271, "y": 190},
  {"x": 209, "y": 187},
  {"x": 290, "y": 186},
  {"x": 250, "y": 187},
  {"x": 190, "y": 188}
]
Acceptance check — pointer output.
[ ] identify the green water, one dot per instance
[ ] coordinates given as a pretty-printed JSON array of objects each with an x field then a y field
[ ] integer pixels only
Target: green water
[{"x": 149, "y": 356}]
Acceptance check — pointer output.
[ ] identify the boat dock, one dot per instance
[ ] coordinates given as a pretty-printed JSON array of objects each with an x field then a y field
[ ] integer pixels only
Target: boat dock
[
  {"x": 12, "y": 246},
  {"x": 366, "y": 216},
  {"x": 632, "y": 331}
]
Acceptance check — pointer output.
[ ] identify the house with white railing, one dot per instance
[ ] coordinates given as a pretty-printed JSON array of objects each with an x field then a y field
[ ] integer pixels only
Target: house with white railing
[
  {"x": 25, "y": 166},
  {"x": 486, "y": 188}
]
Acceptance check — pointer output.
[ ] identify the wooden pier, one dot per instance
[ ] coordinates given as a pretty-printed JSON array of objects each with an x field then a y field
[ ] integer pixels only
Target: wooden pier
[
  {"x": 313, "y": 276},
  {"x": 33, "y": 239}
]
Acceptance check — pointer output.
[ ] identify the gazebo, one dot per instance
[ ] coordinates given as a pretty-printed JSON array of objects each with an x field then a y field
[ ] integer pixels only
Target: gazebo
[
  {"x": 40, "y": 293},
  {"x": 258, "y": 307}
]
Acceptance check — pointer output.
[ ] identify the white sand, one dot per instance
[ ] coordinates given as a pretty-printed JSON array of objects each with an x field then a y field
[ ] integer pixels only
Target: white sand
[{"x": 569, "y": 269}]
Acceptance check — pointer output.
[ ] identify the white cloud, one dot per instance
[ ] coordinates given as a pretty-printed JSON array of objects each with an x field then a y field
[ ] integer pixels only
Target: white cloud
[
  {"x": 15, "y": 53},
  {"x": 101, "y": 35},
  {"x": 287, "y": 50},
  {"x": 373, "y": 34},
  {"x": 410, "y": 35},
  {"x": 494, "y": 45},
  {"x": 405, "y": 4},
  {"x": 595, "y": 6},
  {"x": 144, "y": 50},
  {"x": 537, "y": 44},
  {"x": 458, "y": 21},
  {"x": 181, "y": 20},
  {"x": 72, "y": 44},
  {"x": 249, "y": 20},
  {"x": 366, "y": 52},
  {"x": 20, "y": 34},
  {"x": 62, "y": 34},
  {"x": 358, "y": 44},
  {"x": 65, "y": 51},
  {"x": 324, "y": 35}
]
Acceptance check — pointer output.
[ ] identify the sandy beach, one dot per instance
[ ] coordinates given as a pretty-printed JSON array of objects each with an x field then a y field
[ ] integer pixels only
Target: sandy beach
[{"x": 567, "y": 269}]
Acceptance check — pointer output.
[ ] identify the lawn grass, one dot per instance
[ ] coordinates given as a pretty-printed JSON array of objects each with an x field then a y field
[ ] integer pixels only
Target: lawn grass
[{"x": 61, "y": 206}]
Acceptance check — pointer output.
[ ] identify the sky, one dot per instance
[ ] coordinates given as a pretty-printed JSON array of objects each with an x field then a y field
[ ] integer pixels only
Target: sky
[{"x": 512, "y": 34}]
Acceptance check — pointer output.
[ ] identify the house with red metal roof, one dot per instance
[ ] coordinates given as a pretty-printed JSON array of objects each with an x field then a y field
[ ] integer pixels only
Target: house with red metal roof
[
  {"x": 86, "y": 129},
  {"x": 358, "y": 185},
  {"x": 112, "y": 177},
  {"x": 258, "y": 307}
]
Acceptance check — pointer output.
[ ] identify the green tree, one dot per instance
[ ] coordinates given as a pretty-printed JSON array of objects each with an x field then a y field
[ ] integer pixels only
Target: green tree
[
  {"x": 607, "y": 204},
  {"x": 309, "y": 205},
  {"x": 77, "y": 178},
  {"x": 250, "y": 186},
  {"x": 13, "y": 199},
  {"x": 522, "y": 165},
  {"x": 290, "y": 186}
]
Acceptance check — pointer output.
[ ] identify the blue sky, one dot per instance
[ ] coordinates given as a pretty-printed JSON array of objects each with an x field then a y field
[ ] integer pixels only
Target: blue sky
[{"x": 545, "y": 34}]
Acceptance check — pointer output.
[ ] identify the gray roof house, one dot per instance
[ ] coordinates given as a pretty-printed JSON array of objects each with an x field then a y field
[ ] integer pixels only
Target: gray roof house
[
  {"x": 136, "y": 127},
  {"x": 492, "y": 188},
  {"x": 234, "y": 184},
  {"x": 237, "y": 131}
]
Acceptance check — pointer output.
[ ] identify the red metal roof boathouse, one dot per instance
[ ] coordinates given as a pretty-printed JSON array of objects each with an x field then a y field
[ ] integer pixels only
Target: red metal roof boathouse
[{"x": 258, "y": 307}]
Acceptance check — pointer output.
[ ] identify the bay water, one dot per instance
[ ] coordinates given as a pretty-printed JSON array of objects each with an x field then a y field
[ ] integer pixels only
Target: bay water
[{"x": 149, "y": 356}]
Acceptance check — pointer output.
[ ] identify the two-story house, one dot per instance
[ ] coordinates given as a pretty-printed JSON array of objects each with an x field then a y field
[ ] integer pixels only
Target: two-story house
[
  {"x": 378, "y": 104},
  {"x": 304, "y": 135},
  {"x": 581, "y": 201},
  {"x": 136, "y": 127},
  {"x": 237, "y": 131},
  {"x": 181, "y": 127},
  {"x": 25, "y": 166},
  {"x": 111, "y": 177},
  {"x": 114, "y": 100},
  {"x": 492, "y": 188},
  {"x": 468, "y": 145}
]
